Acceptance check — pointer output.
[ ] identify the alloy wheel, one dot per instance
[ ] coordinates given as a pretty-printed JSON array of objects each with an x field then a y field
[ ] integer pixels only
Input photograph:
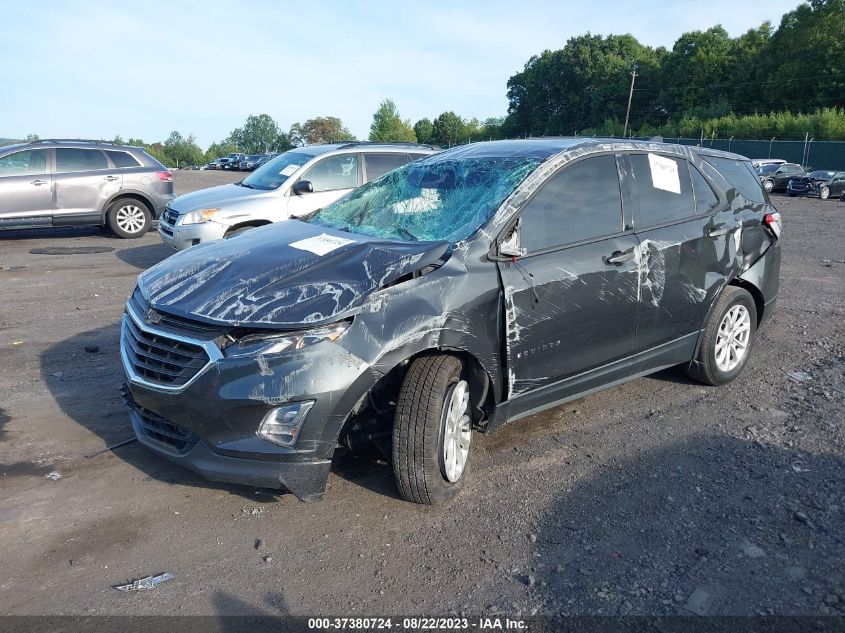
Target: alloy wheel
[
  {"x": 130, "y": 218},
  {"x": 732, "y": 338},
  {"x": 457, "y": 432}
]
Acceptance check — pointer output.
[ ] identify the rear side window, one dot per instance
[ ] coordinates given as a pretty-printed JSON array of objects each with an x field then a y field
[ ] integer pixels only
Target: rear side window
[
  {"x": 28, "y": 162},
  {"x": 123, "y": 159},
  {"x": 334, "y": 172},
  {"x": 662, "y": 189},
  {"x": 379, "y": 164},
  {"x": 705, "y": 200},
  {"x": 578, "y": 203},
  {"x": 71, "y": 159},
  {"x": 740, "y": 175}
]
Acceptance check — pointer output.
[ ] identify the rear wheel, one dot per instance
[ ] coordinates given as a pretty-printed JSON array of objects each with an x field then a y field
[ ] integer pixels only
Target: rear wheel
[
  {"x": 129, "y": 218},
  {"x": 727, "y": 340},
  {"x": 432, "y": 431},
  {"x": 824, "y": 192}
]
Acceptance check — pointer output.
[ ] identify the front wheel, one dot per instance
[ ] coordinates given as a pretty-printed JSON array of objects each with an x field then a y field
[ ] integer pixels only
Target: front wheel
[
  {"x": 768, "y": 185},
  {"x": 432, "y": 431},
  {"x": 129, "y": 218},
  {"x": 824, "y": 192},
  {"x": 728, "y": 338}
]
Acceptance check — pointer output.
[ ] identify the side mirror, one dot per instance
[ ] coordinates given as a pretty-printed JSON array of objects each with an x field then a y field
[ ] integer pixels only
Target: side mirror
[
  {"x": 302, "y": 187},
  {"x": 510, "y": 247}
]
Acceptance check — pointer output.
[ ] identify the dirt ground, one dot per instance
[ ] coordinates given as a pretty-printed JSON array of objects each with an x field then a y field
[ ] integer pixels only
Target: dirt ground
[{"x": 660, "y": 496}]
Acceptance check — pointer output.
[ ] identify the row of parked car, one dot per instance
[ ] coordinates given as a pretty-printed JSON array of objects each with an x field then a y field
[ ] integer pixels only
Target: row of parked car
[
  {"x": 238, "y": 161},
  {"x": 777, "y": 175}
]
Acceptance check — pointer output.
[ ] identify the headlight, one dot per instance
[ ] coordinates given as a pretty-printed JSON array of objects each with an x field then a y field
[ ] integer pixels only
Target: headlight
[
  {"x": 275, "y": 343},
  {"x": 200, "y": 216}
]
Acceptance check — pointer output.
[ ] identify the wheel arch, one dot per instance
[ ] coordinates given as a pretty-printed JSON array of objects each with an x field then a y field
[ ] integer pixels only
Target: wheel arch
[
  {"x": 247, "y": 224},
  {"x": 123, "y": 194}
]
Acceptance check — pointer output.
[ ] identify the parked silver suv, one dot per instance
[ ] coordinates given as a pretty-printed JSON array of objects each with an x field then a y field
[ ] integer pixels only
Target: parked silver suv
[
  {"x": 67, "y": 183},
  {"x": 290, "y": 185}
]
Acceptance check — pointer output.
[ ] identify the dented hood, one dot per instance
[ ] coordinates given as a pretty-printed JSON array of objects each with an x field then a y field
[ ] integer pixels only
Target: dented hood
[{"x": 285, "y": 275}]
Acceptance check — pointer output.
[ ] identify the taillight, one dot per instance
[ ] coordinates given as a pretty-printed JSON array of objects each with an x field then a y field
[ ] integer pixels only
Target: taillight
[
  {"x": 772, "y": 220},
  {"x": 164, "y": 176}
]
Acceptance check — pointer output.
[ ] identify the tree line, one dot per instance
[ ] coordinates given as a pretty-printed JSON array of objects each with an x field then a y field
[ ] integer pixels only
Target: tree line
[{"x": 765, "y": 82}]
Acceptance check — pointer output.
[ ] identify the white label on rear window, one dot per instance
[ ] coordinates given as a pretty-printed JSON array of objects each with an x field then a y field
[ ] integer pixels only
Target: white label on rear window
[
  {"x": 321, "y": 244},
  {"x": 289, "y": 170},
  {"x": 664, "y": 173}
]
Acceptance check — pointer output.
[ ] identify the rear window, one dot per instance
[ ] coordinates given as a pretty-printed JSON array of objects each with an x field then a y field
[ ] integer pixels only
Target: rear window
[
  {"x": 740, "y": 175},
  {"x": 705, "y": 199},
  {"x": 662, "y": 188},
  {"x": 379, "y": 164},
  {"x": 71, "y": 159},
  {"x": 123, "y": 159}
]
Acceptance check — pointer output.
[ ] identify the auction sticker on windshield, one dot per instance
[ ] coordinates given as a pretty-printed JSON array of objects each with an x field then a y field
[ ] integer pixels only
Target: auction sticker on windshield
[
  {"x": 664, "y": 173},
  {"x": 289, "y": 170},
  {"x": 321, "y": 244}
]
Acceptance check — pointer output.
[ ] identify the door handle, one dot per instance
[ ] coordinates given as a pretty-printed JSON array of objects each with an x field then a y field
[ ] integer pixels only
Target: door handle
[
  {"x": 112, "y": 178},
  {"x": 38, "y": 183},
  {"x": 618, "y": 257}
]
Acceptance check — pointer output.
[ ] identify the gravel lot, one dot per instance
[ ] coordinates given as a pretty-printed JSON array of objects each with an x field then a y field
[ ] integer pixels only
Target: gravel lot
[{"x": 660, "y": 496}]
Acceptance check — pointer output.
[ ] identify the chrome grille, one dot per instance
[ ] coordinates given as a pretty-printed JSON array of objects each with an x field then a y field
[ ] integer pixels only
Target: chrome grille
[{"x": 160, "y": 359}]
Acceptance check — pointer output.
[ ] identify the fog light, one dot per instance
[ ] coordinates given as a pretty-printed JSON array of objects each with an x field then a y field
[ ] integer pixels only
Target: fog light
[{"x": 281, "y": 425}]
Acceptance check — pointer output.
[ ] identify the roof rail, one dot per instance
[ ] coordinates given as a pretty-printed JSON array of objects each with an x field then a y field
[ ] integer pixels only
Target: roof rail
[
  {"x": 74, "y": 140},
  {"x": 391, "y": 143}
]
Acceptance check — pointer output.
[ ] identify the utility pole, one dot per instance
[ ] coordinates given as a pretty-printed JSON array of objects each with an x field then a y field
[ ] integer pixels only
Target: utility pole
[{"x": 630, "y": 96}]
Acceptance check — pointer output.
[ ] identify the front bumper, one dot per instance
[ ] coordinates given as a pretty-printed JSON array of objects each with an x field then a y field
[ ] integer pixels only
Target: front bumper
[
  {"x": 181, "y": 237},
  {"x": 210, "y": 423},
  {"x": 305, "y": 479}
]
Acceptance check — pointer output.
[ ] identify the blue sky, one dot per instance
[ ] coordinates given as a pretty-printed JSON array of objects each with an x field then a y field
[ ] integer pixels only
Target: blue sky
[{"x": 142, "y": 69}]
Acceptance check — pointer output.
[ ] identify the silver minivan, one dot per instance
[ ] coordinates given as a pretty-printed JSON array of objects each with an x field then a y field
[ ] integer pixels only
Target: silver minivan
[
  {"x": 292, "y": 184},
  {"x": 51, "y": 183}
]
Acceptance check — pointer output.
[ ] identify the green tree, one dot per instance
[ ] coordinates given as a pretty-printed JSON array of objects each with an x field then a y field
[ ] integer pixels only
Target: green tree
[
  {"x": 423, "y": 130},
  {"x": 388, "y": 126},
  {"x": 223, "y": 148},
  {"x": 32, "y": 137},
  {"x": 179, "y": 150},
  {"x": 448, "y": 130},
  {"x": 327, "y": 129}
]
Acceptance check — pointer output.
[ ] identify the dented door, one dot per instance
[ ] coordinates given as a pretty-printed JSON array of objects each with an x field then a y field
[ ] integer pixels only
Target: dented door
[{"x": 571, "y": 302}]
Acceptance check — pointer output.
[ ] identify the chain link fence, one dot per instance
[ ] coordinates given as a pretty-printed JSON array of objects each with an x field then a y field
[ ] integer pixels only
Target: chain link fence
[{"x": 816, "y": 154}]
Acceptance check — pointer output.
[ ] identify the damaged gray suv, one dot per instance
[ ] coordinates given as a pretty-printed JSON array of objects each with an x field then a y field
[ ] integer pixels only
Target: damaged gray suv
[{"x": 460, "y": 292}]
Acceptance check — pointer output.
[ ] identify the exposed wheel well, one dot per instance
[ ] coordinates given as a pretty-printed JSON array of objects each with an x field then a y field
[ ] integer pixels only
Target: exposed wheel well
[
  {"x": 129, "y": 196},
  {"x": 373, "y": 414},
  {"x": 754, "y": 291},
  {"x": 245, "y": 225}
]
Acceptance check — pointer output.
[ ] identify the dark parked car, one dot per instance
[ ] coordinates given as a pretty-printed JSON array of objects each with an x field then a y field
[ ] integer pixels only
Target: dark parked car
[
  {"x": 70, "y": 183},
  {"x": 232, "y": 161},
  {"x": 823, "y": 183},
  {"x": 250, "y": 162},
  {"x": 777, "y": 177},
  {"x": 459, "y": 292}
]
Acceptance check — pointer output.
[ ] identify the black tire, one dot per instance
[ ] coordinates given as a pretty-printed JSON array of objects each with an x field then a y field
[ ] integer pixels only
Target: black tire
[
  {"x": 418, "y": 431},
  {"x": 791, "y": 195},
  {"x": 704, "y": 367},
  {"x": 129, "y": 218}
]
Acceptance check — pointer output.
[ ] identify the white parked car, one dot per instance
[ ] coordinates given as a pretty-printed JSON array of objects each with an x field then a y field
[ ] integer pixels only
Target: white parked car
[
  {"x": 759, "y": 162},
  {"x": 292, "y": 184}
]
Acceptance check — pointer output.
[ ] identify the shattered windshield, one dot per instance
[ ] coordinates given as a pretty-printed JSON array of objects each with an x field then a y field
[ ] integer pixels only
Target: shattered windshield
[
  {"x": 274, "y": 172},
  {"x": 432, "y": 200}
]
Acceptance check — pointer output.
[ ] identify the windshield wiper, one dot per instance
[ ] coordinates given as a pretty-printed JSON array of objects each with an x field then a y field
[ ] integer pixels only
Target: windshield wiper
[{"x": 406, "y": 234}]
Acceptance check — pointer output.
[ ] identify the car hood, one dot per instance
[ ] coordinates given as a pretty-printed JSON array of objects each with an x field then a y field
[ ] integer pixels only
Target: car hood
[
  {"x": 220, "y": 196},
  {"x": 284, "y": 275}
]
